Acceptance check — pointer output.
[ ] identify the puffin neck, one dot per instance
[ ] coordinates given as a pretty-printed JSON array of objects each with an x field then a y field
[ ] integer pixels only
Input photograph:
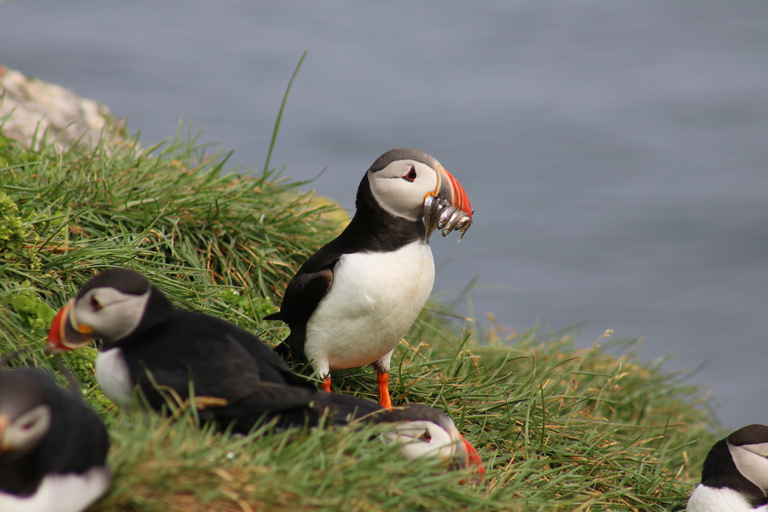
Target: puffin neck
[{"x": 376, "y": 230}]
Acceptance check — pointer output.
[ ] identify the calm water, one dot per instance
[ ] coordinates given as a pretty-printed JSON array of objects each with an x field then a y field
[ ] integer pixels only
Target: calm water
[{"x": 615, "y": 152}]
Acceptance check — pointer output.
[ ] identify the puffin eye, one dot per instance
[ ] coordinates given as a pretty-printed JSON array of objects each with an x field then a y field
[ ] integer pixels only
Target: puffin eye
[
  {"x": 425, "y": 436},
  {"x": 411, "y": 176},
  {"x": 95, "y": 306}
]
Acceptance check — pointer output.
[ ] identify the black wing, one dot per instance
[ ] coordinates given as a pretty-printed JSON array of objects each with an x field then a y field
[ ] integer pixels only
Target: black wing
[
  {"x": 326, "y": 408},
  {"x": 211, "y": 358},
  {"x": 308, "y": 286},
  {"x": 304, "y": 292}
]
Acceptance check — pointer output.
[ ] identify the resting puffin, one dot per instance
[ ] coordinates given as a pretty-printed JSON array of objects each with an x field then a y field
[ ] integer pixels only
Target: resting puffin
[
  {"x": 735, "y": 474},
  {"x": 351, "y": 302},
  {"x": 53, "y": 446}
]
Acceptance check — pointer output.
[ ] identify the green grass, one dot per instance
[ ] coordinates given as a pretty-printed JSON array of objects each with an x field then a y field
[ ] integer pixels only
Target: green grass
[{"x": 559, "y": 428}]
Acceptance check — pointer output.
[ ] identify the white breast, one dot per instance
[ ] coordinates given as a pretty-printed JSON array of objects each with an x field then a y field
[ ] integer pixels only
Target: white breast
[
  {"x": 61, "y": 493},
  {"x": 374, "y": 300},
  {"x": 113, "y": 376},
  {"x": 709, "y": 499}
]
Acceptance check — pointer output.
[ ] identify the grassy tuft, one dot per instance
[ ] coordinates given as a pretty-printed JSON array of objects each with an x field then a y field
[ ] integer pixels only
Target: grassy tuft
[{"x": 559, "y": 428}]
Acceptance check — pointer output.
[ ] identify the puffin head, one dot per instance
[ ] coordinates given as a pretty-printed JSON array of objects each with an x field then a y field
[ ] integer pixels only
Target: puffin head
[
  {"x": 109, "y": 306},
  {"x": 25, "y": 417},
  {"x": 411, "y": 184},
  {"x": 425, "y": 431},
  {"x": 749, "y": 448}
]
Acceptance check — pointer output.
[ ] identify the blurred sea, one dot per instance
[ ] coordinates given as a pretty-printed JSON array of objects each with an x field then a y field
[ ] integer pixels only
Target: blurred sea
[{"x": 616, "y": 153}]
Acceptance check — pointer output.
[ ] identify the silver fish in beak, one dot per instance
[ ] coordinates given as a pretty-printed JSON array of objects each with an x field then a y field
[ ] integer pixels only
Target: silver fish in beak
[{"x": 447, "y": 207}]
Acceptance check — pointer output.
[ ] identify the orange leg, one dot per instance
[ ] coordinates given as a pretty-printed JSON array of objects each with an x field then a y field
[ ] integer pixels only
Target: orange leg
[
  {"x": 326, "y": 385},
  {"x": 384, "y": 399}
]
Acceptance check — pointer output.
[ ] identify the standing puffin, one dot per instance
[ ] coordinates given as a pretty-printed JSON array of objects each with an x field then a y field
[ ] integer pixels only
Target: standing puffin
[
  {"x": 53, "y": 446},
  {"x": 350, "y": 303},
  {"x": 735, "y": 474}
]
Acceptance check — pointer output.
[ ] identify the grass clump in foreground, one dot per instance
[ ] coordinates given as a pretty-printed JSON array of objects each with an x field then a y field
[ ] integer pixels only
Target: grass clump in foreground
[{"x": 558, "y": 428}]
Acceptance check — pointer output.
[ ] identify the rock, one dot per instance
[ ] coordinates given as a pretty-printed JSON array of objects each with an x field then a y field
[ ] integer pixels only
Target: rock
[{"x": 30, "y": 108}]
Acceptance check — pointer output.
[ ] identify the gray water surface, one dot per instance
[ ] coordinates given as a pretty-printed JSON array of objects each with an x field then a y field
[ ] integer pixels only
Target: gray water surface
[{"x": 615, "y": 152}]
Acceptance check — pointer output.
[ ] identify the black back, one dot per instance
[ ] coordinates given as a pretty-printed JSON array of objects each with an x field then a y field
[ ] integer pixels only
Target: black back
[
  {"x": 330, "y": 409},
  {"x": 76, "y": 442}
]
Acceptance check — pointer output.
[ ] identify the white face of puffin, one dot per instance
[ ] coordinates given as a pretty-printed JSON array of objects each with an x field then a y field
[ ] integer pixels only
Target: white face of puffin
[
  {"x": 423, "y": 431},
  {"x": 101, "y": 313},
  {"x": 25, "y": 418},
  {"x": 109, "y": 313},
  {"x": 411, "y": 184},
  {"x": 401, "y": 187},
  {"x": 750, "y": 460},
  {"x": 425, "y": 438},
  {"x": 24, "y": 432}
]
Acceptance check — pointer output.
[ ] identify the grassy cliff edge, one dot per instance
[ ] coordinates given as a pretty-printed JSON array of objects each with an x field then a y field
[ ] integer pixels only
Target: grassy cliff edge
[{"x": 558, "y": 428}]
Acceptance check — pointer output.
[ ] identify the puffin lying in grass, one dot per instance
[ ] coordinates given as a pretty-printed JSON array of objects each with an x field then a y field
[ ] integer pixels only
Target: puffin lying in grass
[
  {"x": 53, "y": 446},
  {"x": 735, "y": 474},
  {"x": 237, "y": 380},
  {"x": 425, "y": 431},
  {"x": 350, "y": 303}
]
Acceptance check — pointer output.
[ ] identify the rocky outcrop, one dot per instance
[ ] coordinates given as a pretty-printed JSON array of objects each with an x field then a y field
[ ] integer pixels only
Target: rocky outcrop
[{"x": 31, "y": 108}]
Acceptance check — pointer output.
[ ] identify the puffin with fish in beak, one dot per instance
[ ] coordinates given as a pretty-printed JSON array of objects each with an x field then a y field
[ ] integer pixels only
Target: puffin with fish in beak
[{"x": 350, "y": 303}]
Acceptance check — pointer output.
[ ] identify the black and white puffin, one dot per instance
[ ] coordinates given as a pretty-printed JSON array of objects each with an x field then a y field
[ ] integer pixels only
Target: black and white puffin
[
  {"x": 735, "y": 474},
  {"x": 53, "y": 446},
  {"x": 351, "y": 302}
]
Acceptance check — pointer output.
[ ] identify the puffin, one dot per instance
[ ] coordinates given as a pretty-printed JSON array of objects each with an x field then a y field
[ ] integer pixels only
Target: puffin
[
  {"x": 424, "y": 431},
  {"x": 53, "y": 446},
  {"x": 351, "y": 302},
  {"x": 735, "y": 474}
]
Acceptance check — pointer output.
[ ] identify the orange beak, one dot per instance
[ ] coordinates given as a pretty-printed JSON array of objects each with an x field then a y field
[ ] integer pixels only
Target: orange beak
[
  {"x": 65, "y": 333},
  {"x": 449, "y": 188},
  {"x": 4, "y": 421},
  {"x": 472, "y": 459}
]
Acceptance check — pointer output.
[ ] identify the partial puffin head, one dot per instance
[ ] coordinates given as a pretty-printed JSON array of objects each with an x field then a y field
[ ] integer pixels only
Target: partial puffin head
[
  {"x": 110, "y": 306},
  {"x": 411, "y": 184},
  {"x": 427, "y": 432},
  {"x": 25, "y": 417},
  {"x": 749, "y": 449},
  {"x": 735, "y": 473}
]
